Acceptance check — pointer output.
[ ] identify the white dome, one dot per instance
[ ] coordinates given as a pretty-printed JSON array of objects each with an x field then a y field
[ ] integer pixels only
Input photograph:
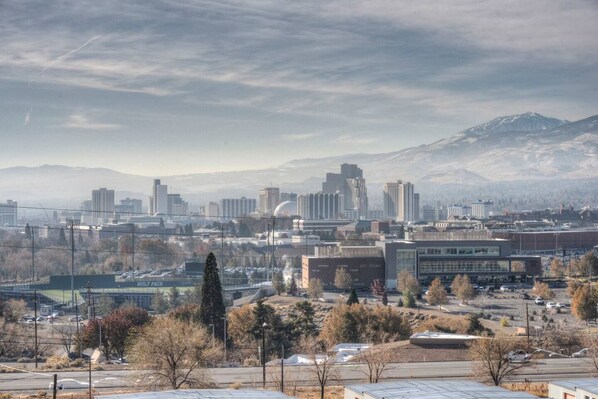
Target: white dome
[{"x": 287, "y": 208}]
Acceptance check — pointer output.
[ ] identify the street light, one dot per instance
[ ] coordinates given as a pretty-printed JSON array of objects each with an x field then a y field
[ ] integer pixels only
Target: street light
[{"x": 264, "y": 354}]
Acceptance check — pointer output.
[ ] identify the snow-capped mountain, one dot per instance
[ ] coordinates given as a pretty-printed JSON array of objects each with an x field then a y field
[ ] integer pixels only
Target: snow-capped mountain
[{"x": 528, "y": 122}]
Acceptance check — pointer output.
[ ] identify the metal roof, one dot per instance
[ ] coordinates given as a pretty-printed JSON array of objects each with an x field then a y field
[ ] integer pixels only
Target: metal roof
[
  {"x": 589, "y": 385},
  {"x": 434, "y": 389},
  {"x": 202, "y": 394}
]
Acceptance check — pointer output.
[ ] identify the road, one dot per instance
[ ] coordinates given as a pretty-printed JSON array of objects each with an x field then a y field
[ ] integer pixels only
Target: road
[{"x": 544, "y": 370}]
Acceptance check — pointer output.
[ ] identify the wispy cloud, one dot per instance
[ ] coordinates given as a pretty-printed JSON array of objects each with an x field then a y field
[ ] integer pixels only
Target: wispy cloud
[
  {"x": 354, "y": 139},
  {"x": 70, "y": 53},
  {"x": 81, "y": 121},
  {"x": 299, "y": 136},
  {"x": 27, "y": 117}
]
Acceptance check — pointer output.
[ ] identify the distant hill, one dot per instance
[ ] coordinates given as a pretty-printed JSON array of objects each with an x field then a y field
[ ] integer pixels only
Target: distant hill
[{"x": 525, "y": 147}]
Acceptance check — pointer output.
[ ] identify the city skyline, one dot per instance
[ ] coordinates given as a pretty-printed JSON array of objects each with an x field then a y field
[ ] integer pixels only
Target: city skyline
[{"x": 246, "y": 85}]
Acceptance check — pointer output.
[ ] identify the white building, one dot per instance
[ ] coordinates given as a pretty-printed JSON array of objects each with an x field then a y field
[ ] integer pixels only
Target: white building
[
  {"x": 457, "y": 211},
  {"x": 319, "y": 206},
  {"x": 481, "y": 209},
  {"x": 102, "y": 206},
  {"x": 8, "y": 213},
  {"x": 580, "y": 388},
  {"x": 159, "y": 198},
  {"x": 235, "y": 207},
  {"x": 269, "y": 200},
  {"x": 399, "y": 201}
]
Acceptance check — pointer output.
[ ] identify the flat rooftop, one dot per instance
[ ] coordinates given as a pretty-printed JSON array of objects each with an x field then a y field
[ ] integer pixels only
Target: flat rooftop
[
  {"x": 586, "y": 384},
  {"x": 202, "y": 394},
  {"x": 434, "y": 389}
]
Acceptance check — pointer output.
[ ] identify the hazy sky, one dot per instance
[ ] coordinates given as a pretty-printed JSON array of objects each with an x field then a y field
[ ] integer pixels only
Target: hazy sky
[{"x": 175, "y": 87}]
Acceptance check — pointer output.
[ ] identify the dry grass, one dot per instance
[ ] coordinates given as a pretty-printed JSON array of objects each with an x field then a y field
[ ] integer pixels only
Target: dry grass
[
  {"x": 540, "y": 389},
  {"x": 333, "y": 392}
]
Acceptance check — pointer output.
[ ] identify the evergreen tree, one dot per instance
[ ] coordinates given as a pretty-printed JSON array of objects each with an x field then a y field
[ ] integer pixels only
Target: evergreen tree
[
  {"x": 276, "y": 332},
  {"x": 62, "y": 237},
  {"x": 384, "y": 298},
  {"x": 293, "y": 289},
  {"x": 302, "y": 320},
  {"x": 174, "y": 298},
  {"x": 212, "y": 304},
  {"x": 159, "y": 303},
  {"x": 352, "y": 297},
  {"x": 278, "y": 282},
  {"x": 193, "y": 296},
  {"x": 409, "y": 299}
]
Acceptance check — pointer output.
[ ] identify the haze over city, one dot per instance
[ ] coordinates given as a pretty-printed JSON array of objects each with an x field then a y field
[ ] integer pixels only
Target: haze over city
[{"x": 167, "y": 88}]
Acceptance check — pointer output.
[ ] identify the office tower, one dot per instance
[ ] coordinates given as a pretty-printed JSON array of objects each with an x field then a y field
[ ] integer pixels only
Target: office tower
[
  {"x": 416, "y": 206},
  {"x": 481, "y": 209},
  {"x": 159, "y": 198},
  {"x": 135, "y": 204},
  {"x": 430, "y": 214},
  {"x": 319, "y": 206},
  {"x": 8, "y": 213},
  {"x": 176, "y": 205},
  {"x": 288, "y": 197},
  {"x": 269, "y": 199},
  {"x": 351, "y": 185},
  {"x": 213, "y": 210},
  {"x": 457, "y": 211},
  {"x": 86, "y": 215},
  {"x": 399, "y": 201},
  {"x": 102, "y": 205},
  {"x": 236, "y": 207}
]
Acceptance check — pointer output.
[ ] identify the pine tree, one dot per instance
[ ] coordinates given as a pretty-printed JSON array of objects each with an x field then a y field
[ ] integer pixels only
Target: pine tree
[
  {"x": 278, "y": 282},
  {"x": 384, "y": 298},
  {"x": 293, "y": 289},
  {"x": 62, "y": 237},
  {"x": 212, "y": 303},
  {"x": 159, "y": 303},
  {"x": 174, "y": 298},
  {"x": 352, "y": 298}
]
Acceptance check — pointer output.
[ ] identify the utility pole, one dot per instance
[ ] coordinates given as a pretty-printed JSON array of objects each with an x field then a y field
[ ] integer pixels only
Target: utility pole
[
  {"x": 222, "y": 253},
  {"x": 282, "y": 370},
  {"x": 35, "y": 323},
  {"x": 72, "y": 226},
  {"x": 133, "y": 249},
  {"x": 88, "y": 318},
  {"x": 32, "y": 232},
  {"x": 273, "y": 248},
  {"x": 268, "y": 251},
  {"x": 224, "y": 318},
  {"x": 264, "y": 355},
  {"x": 527, "y": 325}
]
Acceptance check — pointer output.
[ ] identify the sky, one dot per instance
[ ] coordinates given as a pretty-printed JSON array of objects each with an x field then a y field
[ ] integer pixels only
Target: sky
[{"x": 162, "y": 88}]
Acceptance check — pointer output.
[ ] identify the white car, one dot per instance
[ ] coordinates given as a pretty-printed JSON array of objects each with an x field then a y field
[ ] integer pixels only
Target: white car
[
  {"x": 550, "y": 305},
  {"x": 563, "y": 305},
  {"x": 69, "y": 383},
  {"x": 518, "y": 356},
  {"x": 581, "y": 353},
  {"x": 539, "y": 301}
]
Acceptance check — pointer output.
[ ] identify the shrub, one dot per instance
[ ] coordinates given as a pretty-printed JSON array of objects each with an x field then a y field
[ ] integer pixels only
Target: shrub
[
  {"x": 504, "y": 322},
  {"x": 534, "y": 313},
  {"x": 531, "y": 318},
  {"x": 544, "y": 318},
  {"x": 400, "y": 303},
  {"x": 512, "y": 317},
  {"x": 57, "y": 362},
  {"x": 251, "y": 362},
  {"x": 77, "y": 363},
  {"x": 236, "y": 385}
]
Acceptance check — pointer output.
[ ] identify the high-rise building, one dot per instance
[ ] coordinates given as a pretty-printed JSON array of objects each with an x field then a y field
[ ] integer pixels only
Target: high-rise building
[
  {"x": 176, "y": 205},
  {"x": 399, "y": 201},
  {"x": 213, "y": 210},
  {"x": 351, "y": 185},
  {"x": 236, "y": 207},
  {"x": 102, "y": 205},
  {"x": 86, "y": 215},
  {"x": 269, "y": 200},
  {"x": 416, "y": 206},
  {"x": 481, "y": 209},
  {"x": 457, "y": 211},
  {"x": 135, "y": 204},
  {"x": 8, "y": 213},
  {"x": 288, "y": 197},
  {"x": 159, "y": 198},
  {"x": 319, "y": 206},
  {"x": 430, "y": 214}
]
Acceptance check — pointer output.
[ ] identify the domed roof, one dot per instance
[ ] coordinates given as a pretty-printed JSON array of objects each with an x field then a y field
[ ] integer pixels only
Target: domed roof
[{"x": 286, "y": 208}]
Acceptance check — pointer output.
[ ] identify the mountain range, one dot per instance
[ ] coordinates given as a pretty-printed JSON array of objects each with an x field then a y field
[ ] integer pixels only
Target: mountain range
[{"x": 525, "y": 147}]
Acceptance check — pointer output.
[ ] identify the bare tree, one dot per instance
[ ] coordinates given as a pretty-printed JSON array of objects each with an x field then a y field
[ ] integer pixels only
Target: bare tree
[
  {"x": 437, "y": 294},
  {"x": 324, "y": 367},
  {"x": 376, "y": 363},
  {"x": 492, "y": 358},
  {"x": 315, "y": 289},
  {"x": 175, "y": 352},
  {"x": 342, "y": 279},
  {"x": 66, "y": 336},
  {"x": 591, "y": 342}
]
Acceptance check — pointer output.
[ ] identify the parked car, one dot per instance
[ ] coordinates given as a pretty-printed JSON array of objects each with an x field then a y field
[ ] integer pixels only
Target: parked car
[
  {"x": 550, "y": 305},
  {"x": 581, "y": 353},
  {"x": 518, "y": 356},
  {"x": 69, "y": 383},
  {"x": 539, "y": 300},
  {"x": 563, "y": 305},
  {"x": 508, "y": 288}
]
